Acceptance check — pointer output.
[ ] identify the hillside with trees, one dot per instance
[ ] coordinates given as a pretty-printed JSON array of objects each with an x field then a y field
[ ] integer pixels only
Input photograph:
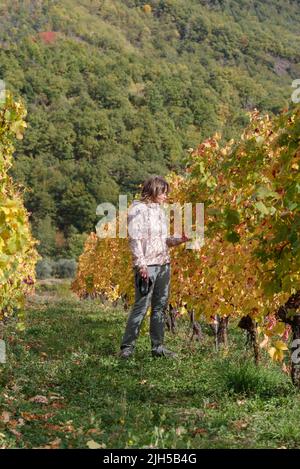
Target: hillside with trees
[{"x": 117, "y": 90}]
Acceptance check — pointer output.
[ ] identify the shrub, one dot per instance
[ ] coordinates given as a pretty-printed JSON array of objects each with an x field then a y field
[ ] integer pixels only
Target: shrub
[
  {"x": 64, "y": 268},
  {"x": 44, "y": 268}
]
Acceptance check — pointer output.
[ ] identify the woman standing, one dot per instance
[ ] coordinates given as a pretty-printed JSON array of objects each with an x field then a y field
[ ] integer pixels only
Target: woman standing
[{"x": 149, "y": 245}]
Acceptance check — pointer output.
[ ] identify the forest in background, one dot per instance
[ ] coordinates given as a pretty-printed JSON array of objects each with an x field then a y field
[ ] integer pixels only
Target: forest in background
[{"x": 118, "y": 90}]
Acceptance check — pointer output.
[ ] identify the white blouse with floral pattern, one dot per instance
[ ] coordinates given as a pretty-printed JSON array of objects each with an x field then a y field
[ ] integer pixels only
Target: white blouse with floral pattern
[{"x": 148, "y": 234}]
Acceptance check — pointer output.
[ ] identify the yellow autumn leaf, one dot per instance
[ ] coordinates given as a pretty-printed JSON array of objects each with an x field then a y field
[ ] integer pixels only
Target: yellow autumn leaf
[
  {"x": 182, "y": 310},
  {"x": 279, "y": 328},
  {"x": 280, "y": 345},
  {"x": 276, "y": 354}
]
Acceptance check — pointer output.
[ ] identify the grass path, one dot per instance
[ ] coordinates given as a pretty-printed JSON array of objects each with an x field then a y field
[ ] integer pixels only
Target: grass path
[{"x": 64, "y": 387}]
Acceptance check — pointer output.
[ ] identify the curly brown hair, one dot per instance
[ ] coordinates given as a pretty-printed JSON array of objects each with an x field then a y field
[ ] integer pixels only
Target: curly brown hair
[{"x": 152, "y": 187}]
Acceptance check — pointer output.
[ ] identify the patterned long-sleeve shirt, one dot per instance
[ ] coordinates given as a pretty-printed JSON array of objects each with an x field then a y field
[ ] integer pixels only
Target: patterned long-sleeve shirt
[{"x": 148, "y": 234}]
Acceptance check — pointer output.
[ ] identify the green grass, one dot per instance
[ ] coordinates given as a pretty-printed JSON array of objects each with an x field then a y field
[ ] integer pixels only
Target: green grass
[{"x": 201, "y": 400}]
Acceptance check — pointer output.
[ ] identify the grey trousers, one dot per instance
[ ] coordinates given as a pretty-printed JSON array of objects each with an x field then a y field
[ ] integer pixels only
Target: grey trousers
[{"x": 158, "y": 295}]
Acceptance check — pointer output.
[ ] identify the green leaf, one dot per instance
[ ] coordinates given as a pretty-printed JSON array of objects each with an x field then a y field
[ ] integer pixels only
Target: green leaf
[
  {"x": 262, "y": 208},
  {"x": 233, "y": 237},
  {"x": 232, "y": 217}
]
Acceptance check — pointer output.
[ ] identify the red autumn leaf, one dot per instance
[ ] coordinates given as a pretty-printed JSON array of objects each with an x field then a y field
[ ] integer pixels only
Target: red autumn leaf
[{"x": 199, "y": 431}]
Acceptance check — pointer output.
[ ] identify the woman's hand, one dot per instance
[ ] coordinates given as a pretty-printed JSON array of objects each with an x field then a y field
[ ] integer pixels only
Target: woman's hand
[
  {"x": 185, "y": 238},
  {"x": 143, "y": 272},
  {"x": 176, "y": 241}
]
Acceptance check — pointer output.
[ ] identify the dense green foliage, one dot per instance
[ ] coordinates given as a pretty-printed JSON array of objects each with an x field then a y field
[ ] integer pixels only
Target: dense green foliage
[{"x": 116, "y": 90}]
